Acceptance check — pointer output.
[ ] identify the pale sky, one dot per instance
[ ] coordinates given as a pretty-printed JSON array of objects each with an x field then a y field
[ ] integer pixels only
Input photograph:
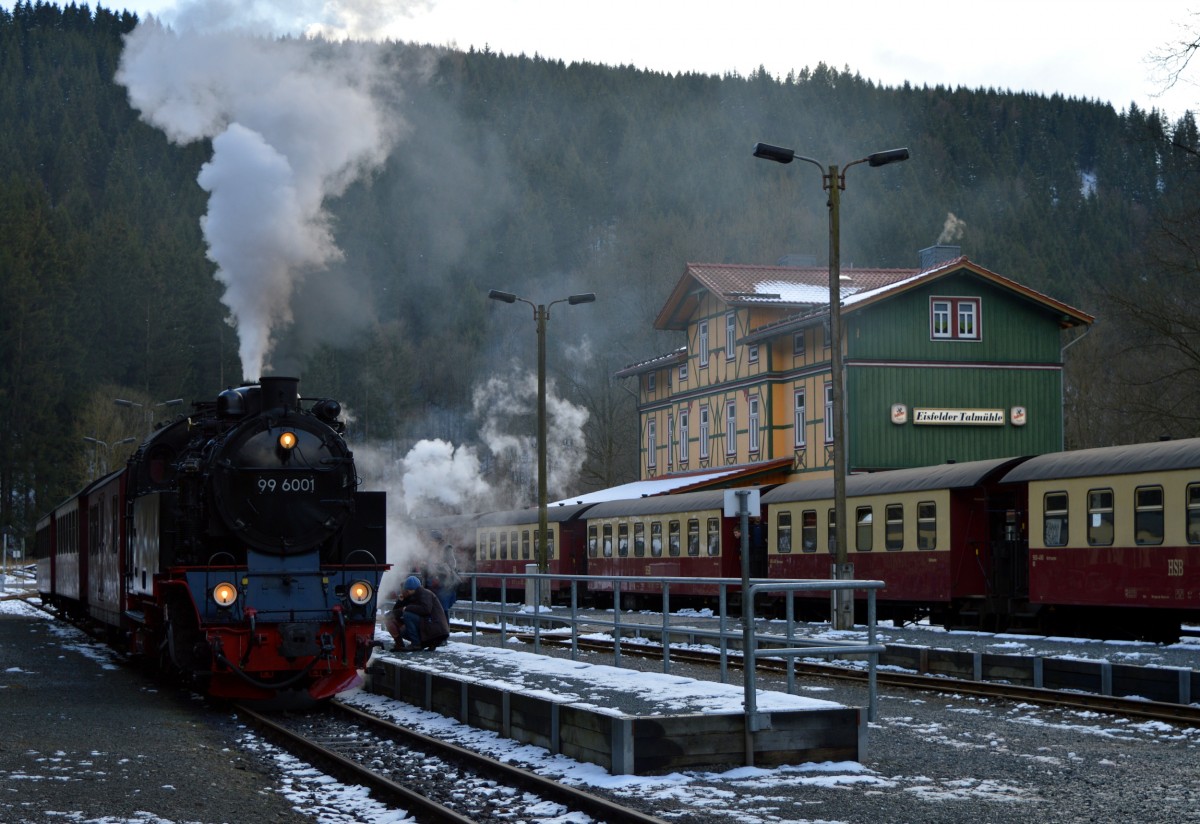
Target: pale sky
[{"x": 1094, "y": 49}]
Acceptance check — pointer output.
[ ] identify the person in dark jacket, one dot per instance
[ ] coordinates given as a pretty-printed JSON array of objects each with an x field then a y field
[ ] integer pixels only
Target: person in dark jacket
[{"x": 417, "y": 618}]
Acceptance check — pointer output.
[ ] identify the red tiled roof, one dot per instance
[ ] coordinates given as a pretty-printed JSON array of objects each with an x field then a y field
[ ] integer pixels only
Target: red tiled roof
[{"x": 782, "y": 286}]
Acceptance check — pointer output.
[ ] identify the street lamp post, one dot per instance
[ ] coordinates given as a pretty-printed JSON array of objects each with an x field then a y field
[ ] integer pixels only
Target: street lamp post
[
  {"x": 834, "y": 182},
  {"x": 122, "y": 402},
  {"x": 108, "y": 448},
  {"x": 541, "y": 314}
]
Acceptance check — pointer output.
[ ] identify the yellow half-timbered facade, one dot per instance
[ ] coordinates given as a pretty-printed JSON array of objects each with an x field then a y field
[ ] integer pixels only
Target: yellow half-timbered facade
[{"x": 751, "y": 385}]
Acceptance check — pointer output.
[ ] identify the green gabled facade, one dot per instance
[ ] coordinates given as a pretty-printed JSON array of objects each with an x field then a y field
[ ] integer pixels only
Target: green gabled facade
[{"x": 948, "y": 362}]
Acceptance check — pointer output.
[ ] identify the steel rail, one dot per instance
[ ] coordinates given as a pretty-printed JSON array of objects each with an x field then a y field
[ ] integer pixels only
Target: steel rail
[{"x": 1131, "y": 707}]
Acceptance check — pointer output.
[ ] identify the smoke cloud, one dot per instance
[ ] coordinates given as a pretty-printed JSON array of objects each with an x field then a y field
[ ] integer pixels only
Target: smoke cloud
[
  {"x": 952, "y": 229},
  {"x": 505, "y": 400},
  {"x": 292, "y": 122}
]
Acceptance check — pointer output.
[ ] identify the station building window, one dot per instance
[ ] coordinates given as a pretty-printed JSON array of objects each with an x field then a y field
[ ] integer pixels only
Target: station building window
[{"x": 954, "y": 318}]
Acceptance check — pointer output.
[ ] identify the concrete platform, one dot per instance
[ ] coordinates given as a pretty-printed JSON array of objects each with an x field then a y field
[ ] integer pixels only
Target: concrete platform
[{"x": 628, "y": 722}]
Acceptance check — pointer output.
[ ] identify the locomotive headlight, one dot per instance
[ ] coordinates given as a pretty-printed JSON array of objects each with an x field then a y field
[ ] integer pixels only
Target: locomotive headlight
[
  {"x": 224, "y": 594},
  {"x": 287, "y": 440},
  {"x": 360, "y": 593}
]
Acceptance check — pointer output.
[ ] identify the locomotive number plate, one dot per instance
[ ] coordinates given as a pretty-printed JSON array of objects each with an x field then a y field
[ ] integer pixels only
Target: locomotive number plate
[{"x": 291, "y": 484}]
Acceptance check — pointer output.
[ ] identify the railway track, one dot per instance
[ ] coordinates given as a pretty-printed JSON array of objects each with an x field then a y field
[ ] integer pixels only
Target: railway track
[
  {"x": 432, "y": 780},
  {"x": 1186, "y": 714}
]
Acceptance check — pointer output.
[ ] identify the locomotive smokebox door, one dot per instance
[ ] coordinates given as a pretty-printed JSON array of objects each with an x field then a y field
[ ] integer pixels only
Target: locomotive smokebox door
[{"x": 298, "y": 640}]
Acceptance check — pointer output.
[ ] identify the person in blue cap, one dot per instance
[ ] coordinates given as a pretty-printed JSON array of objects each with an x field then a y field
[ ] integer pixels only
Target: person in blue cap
[{"x": 417, "y": 618}]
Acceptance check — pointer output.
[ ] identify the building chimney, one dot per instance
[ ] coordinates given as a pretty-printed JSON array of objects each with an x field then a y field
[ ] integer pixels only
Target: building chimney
[{"x": 933, "y": 256}]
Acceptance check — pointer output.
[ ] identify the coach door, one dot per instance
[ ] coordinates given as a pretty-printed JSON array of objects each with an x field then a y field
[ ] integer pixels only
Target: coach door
[{"x": 1010, "y": 548}]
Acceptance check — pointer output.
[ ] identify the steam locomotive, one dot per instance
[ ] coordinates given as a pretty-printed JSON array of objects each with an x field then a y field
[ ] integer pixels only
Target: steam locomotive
[{"x": 235, "y": 548}]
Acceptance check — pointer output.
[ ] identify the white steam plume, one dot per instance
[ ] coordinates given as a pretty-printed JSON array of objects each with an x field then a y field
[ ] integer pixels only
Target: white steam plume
[
  {"x": 952, "y": 229},
  {"x": 504, "y": 398},
  {"x": 293, "y": 123}
]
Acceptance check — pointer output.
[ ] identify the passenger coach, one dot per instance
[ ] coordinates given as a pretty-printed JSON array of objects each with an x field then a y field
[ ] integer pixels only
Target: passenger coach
[
  {"x": 506, "y": 543},
  {"x": 1114, "y": 536},
  {"x": 944, "y": 538},
  {"x": 664, "y": 536}
]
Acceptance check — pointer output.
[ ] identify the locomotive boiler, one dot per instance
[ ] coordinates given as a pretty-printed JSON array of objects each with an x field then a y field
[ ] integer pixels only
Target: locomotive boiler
[{"x": 235, "y": 548}]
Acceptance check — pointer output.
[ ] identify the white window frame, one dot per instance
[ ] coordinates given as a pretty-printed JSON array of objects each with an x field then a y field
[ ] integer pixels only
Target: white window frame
[
  {"x": 702, "y": 341},
  {"x": 798, "y": 345},
  {"x": 683, "y": 436},
  {"x": 651, "y": 442},
  {"x": 752, "y": 423},
  {"x": 683, "y": 372},
  {"x": 730, "y": 335},
  {"x": 731, "y": 427},
  {"x": 651, "y": 381},
  {"x": 704, "y": 429},
  {"x": 830, "y": 431},
  {"x": 670, "y": 440},
  {"x": 752, "y": 353},
  {"x": 955, "y": 318},
  {"x": 799, "y": 417}
]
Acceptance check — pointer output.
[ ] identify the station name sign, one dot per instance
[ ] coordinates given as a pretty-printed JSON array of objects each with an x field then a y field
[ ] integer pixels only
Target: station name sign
[{"x": 959, "y": 417}]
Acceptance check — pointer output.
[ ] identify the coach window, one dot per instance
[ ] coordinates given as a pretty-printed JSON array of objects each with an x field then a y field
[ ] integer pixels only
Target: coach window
[
  {"x": 783, "y": 531},
  {"x": 808, "y": 530},
  {"x": 514, "y": 542},
  {"x": 893, "y": 528},
  {"x": 1148, "y": 515},
  {"x": 714, "y": 536},
  {"x": 623, "y": 540},
  {"x": 1054, "y": 519},
  {"x": 1100, "y": 517},
  {"x": 927, "y": 525},
  {"x": 592, "y": 541},
  {"x": 503, "y": 546},
  {"x": 656, "y": 539},
  {"x": 693, "y": 546},
  {"x": 525, "y": 545},
  {"x": 606, "y": 540},
  {"x": 1193, "y": 514},
  {"x": 493, "y": 538},
  {"x": 550, "y": 543},
  {"x": 863, "y": 519},
  {"x": 673, "y": 538},
  {"x": 639, "y": 539},
  {"x": 832, "y": 538}
]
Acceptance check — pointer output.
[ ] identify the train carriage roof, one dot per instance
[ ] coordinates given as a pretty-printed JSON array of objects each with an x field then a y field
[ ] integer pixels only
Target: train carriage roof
[
  {"x": 917, "y": 479},
  {"x": 529, "y": 515},
  {"x": 1157, "y": 456},
  {"x": 660, "y": 504}
]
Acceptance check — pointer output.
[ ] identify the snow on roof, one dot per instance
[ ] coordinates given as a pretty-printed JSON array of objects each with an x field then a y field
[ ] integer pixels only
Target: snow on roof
[{"x": 654, "y": 486}]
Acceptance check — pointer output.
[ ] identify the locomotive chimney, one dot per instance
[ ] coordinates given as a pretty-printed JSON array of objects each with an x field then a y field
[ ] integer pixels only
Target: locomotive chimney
[{"x": 280, "y": 392}]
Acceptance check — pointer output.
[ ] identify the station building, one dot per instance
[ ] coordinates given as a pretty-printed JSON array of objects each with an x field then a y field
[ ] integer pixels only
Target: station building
[{"x": 945, "y": 362}]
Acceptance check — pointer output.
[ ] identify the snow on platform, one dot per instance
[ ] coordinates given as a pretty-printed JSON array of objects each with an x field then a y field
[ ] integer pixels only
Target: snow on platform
[{"x": 627, "y": 721}]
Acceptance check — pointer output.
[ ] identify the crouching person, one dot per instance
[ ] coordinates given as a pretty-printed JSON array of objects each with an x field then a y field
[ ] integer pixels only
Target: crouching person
[{"x": 417, "y": 621}]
